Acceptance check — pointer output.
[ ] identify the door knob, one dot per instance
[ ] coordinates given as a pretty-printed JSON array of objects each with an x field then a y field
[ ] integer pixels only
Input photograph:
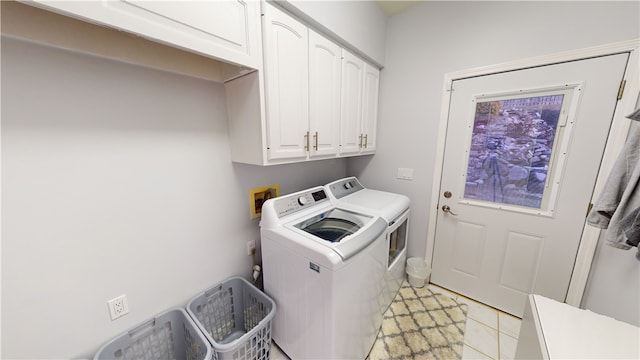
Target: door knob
[{"x": 447, "y": 209}]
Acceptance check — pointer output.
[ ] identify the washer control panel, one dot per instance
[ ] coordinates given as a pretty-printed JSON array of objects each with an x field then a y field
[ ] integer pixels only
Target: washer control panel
[
  {"x": 345, "y": 187},
  {"x": 286, "y": 205}
]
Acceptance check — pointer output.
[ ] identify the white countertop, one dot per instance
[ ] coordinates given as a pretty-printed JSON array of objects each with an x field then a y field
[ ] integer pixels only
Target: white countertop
[{"x": 572, "y": 333}]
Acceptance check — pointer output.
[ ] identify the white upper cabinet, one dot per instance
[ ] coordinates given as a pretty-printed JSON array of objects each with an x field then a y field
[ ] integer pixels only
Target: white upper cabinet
[
  {"x": 325, "y": 59},
  {"x": 309, "y": 98},
  {"x": 352, "y": 82},
  {"x": 370, "y": 108},
  {"x": 286, "y": 44},
  {"x": 226, "y": 30},
  {"x": 320, "y": 101},
  {"x": 302, "y": 77},
  {"x": 360, "y": 82}
]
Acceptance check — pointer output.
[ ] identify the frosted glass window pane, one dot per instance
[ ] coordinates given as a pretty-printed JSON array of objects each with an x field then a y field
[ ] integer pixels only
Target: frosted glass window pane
[{"x": 511, "y": 149}]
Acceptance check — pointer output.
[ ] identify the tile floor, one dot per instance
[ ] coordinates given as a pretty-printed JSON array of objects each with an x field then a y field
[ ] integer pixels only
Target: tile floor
[{"x": 489, "y": 333}]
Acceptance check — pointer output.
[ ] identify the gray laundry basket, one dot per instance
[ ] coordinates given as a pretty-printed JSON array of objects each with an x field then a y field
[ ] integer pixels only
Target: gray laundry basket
[
  {"x": 236, "y": 319},
  {"x": 169, "y": 335}
]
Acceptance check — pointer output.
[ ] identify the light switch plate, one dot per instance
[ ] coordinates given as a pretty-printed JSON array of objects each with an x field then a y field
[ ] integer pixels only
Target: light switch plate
[{"x": 405, "y": 173}]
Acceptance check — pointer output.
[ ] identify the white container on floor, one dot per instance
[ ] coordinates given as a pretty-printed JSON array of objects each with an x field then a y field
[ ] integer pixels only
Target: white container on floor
[
  {"x": 416, "y": 263},
  {"x": 417, "y": 271}
]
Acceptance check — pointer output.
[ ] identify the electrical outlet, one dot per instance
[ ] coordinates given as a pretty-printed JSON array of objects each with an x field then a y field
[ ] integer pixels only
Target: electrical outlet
[
  {"x": 251, "y": 247},
  {"x": 118, "y": 307}
]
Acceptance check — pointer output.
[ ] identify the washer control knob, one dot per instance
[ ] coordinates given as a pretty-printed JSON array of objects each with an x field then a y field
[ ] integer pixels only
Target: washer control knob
[
  {"x": 348, "y": 185},
  {"x": 303, "y": 200}
]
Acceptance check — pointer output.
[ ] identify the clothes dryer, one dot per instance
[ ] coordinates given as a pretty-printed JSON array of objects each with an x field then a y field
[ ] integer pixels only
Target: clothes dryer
[
  {"x": 395, "y": 209},
  {"x": 323, "y": 266}
]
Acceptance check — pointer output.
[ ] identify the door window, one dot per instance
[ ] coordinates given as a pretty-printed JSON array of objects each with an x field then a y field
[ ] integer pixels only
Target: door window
[{"x": 513, "y": 149}]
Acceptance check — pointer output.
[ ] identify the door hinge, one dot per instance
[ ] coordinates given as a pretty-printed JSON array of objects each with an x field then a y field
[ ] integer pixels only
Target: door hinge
[{"x": 621, "y": 89}]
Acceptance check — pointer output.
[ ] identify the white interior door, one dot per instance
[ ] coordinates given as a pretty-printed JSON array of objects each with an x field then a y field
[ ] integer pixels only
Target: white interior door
[{"x": 522, "y": 153}]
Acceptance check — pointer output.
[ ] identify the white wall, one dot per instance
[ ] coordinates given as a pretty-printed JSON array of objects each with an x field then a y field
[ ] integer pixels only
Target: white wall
[
  {"x": 434, "y": 38},
  {"x": 359, "y": 24},
  {"x": 614, "y": 284},
  {"x": 116, "y": 179}
]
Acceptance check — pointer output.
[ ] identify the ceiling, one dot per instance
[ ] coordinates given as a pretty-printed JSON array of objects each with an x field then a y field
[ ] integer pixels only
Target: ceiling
[{"x": 392, "y": 7}]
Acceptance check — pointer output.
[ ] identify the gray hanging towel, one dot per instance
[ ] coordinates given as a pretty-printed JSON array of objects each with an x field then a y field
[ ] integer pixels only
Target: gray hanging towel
[
  {"x": 621, "y": 193},
  {"x": 631, "y": 226}
]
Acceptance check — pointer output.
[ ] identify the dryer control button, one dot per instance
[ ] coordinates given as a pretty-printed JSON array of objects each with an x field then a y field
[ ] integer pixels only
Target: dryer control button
[{"x": 303, "y": 200}]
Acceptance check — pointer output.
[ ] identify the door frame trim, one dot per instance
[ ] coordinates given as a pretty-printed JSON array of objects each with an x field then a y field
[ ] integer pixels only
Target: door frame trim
[{"x": 615, "y": 141}]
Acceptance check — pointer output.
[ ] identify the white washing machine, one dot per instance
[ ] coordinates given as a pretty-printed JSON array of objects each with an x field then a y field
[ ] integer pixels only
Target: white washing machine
[
  {"x": 395, "y": 209},
  {"x": 323, "y": 266}
]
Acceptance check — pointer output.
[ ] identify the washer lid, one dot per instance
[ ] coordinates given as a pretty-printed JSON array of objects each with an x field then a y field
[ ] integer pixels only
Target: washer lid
[
  {"x": 345, "y": 232},
  {"x": 334, "y": 225}
]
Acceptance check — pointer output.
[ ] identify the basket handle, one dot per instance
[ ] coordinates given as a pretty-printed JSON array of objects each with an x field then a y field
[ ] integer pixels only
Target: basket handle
[
  {"x": 142, "y": 328},
  {"x": 213, "y": 291}
]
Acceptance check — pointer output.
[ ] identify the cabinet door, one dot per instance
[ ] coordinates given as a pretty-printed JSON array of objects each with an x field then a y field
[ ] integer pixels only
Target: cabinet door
[
  {"x": 226, "y": 30},
  {"x": 287, "y": 97},
  {"x": 351, "y": 114},
  {"x": 370, "y": 108},
  {"x": 325, "y": 59}
]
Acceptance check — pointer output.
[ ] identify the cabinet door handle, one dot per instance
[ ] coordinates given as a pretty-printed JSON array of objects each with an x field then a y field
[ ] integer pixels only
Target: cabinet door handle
[
  {"x": 360, "y": 141},
  {"x": 315, "y": 137},
  {"x": 366, "y": 140},
  {"x": 306, "y": 141}
]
